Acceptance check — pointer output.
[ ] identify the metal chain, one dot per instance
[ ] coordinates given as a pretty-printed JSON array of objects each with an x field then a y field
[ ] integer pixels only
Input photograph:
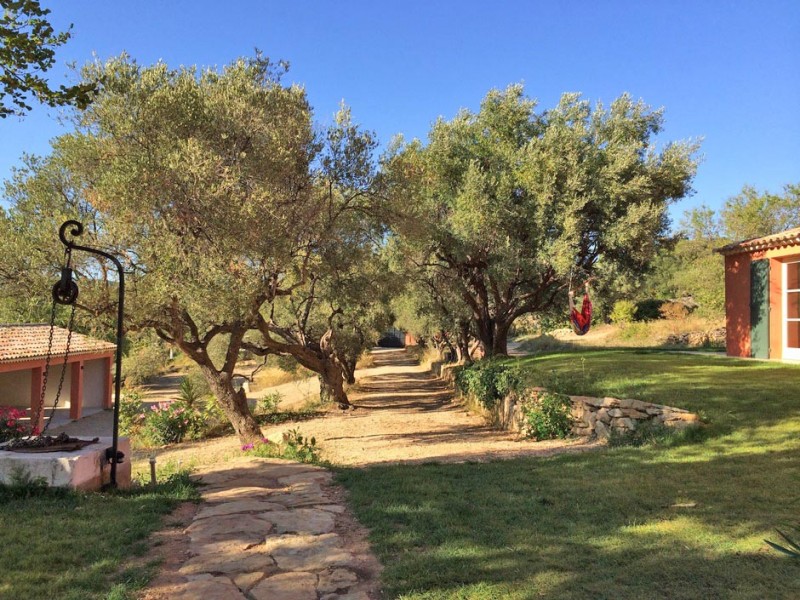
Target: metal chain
[
  {"x": 40, "y": 406},
  {"x": 63, "y": 369}
]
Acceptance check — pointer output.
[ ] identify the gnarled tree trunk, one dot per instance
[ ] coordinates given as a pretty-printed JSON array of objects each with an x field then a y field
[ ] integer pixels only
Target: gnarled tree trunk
[{"x": 233, "y": 404}]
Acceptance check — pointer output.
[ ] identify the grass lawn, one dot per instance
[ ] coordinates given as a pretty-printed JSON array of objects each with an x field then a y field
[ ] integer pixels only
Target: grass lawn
[
  {"x": 58, "y": 544},
  {"x": 681, "y": 522}
]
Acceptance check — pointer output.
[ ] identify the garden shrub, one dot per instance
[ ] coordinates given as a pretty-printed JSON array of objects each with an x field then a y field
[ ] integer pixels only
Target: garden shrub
[
  {"x": 624, "y": 312},
  {"x": 190, "y": 393},
  {"x": 649, "y": 310},
  {"x": 269, "y": 402},
  {"x": 295, "y": 446},
  {"x": 10, "y": 425},
  {"x": 488, "y": 381},
  {"x": 144, "y": 362},
  {"x": 131, "y": 413},
  {"x": 171, "y": 422},
  {"x": 547, "y": 416}
]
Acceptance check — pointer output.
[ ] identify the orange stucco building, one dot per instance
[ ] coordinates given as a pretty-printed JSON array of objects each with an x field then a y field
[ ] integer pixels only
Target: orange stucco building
[
  {"x": 762, "y": 296},
  {"x": 87, "y": 378}
]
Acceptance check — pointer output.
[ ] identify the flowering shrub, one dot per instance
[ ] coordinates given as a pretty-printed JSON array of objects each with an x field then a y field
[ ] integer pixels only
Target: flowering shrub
[
  {"x": 131, "y": 413},
  {"x": 170, "y": 422},
  {"x": 10, "y": 426}
]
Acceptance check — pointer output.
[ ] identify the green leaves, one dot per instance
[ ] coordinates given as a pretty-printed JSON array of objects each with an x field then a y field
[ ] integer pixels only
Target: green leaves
[
  {"x": 509, "y": 202},
  {"x": 28, "y": 50}
]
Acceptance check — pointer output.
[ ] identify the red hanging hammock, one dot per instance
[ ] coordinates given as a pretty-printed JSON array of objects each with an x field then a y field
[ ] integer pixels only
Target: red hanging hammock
[{"x": 581, "y": 321}]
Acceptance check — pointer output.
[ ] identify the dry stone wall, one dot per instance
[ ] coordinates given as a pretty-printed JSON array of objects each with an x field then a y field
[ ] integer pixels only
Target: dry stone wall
[{"x": 591, "y": 416}]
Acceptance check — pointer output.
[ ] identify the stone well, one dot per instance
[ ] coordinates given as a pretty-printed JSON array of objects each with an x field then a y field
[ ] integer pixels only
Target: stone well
[{"x": 84, "y": 469}]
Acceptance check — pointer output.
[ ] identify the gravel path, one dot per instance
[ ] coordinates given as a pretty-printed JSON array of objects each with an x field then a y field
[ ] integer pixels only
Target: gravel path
[{"x": 405, "y": 415}]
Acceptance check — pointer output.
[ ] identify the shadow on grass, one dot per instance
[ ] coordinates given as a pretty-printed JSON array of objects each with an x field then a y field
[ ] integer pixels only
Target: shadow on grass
[
  {"x": 57, "y": 543},
  {"x": 623, "y": 524}
]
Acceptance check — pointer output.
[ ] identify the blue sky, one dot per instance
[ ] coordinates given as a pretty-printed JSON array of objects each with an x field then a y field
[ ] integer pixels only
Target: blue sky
[{"x": 724, "y": 70}]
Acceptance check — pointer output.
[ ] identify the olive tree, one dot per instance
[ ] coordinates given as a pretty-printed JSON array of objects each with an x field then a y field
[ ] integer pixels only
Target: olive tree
[
  {"x": 236, "y": 218},
  {"x": 509, "y": 202}
]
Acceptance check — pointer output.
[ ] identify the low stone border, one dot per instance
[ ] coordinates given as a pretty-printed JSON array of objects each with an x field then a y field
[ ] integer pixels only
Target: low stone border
[
  {"x": 592, "y": 416},
  {"x": 600, "y": 416}
]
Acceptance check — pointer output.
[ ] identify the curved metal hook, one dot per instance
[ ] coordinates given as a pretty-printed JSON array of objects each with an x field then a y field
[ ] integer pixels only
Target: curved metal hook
[{"x": 77, "y": 230}]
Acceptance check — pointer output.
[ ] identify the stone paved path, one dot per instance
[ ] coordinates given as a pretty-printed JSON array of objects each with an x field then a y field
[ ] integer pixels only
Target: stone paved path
[{"x": 270, "y": 530}]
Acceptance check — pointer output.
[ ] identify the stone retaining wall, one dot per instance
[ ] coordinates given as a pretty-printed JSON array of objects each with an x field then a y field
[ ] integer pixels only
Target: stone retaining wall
[
  {"x": 592, "y": 416},
  {"x": 601, "y": 416}
]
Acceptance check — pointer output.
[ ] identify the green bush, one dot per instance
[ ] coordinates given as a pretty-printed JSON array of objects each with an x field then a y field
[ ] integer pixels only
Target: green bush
[
  {"x": 488, "y": 381},
  {"x": 295, "y": 446},
  {"x": 269, "y": 402},
  {"x": 144, "y": 362},
  {"x": 131, "y": 413},
  {"x": 649, "y": 310},
  {"x": 547, "y": 416},
  {"x": 624, "y": 312},
  {"x": 171, "y": 422}
]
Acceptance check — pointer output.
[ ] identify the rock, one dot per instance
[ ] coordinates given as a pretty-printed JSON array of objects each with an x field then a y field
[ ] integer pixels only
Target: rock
[
  {"x": 307, "y": 552},
  {"x": 237, "y": 506},
  {"x": 602, "y": 415},
  {"x": 302, "y": 520},
  {"x": 336, "y": 580},
  {"x": 601, "y": 429},
  {"x": 347, "y": 596},
  {"x": 334, "y": 508},
  {"x": 635, "y": 414},
  {"x": 238, "y": 493},
  {"x": 311, "y": 477},
  {"x": 232, "y": 563},
  {"x": 309, "y": 496},
  {"x": 246, "y": 581},
  {"x": 625, "y": 423},
  {"x": 596, "y": 402},
  {"x": 635, "y": 404},
  {"x": 286, "y": 586},
  {"x": 229, "y": 527},
  {"x": 653, "y": 410},
  {"x": 214, "y": 588}
]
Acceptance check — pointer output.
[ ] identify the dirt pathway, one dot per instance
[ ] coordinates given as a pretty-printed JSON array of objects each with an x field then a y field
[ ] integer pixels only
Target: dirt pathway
[{"x": 404, "y": 414}]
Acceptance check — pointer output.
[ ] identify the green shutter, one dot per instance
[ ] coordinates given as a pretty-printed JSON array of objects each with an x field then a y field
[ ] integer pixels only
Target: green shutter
[{"x": 759, "y": 309}]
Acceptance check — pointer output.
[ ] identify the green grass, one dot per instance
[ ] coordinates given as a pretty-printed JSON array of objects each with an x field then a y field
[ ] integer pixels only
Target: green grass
[
  {"x": 680, "y": 522},
  {"x": 60, "y": 544}
]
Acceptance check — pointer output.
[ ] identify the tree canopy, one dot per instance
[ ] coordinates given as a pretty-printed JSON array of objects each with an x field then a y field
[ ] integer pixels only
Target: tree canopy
[
  {"x": 236, "y": 218},
  {"x": 27, "y": 52},
  {"x": 509, "y": 205}
]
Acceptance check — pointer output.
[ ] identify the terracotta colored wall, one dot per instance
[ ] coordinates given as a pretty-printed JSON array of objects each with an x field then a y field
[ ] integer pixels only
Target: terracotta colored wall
[{"x": 737, "y": 304}]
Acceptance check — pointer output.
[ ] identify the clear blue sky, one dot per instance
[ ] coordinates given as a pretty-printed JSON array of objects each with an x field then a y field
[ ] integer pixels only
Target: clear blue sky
[{"x": 725, "y": 70}]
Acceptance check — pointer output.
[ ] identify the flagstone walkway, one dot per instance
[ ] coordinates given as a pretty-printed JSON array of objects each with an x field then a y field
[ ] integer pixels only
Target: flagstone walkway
[{"x": 270, "y": 530}]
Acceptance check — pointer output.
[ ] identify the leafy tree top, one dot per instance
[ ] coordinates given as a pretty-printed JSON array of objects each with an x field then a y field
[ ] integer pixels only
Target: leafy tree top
[{"x": 27, "y": 52}]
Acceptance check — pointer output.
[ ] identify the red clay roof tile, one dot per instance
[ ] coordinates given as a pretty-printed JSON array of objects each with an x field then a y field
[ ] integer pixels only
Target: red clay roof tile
[{"x": 29, "y": 341}]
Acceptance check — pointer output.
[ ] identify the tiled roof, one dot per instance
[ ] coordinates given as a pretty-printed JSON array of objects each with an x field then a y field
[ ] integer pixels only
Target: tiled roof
[
  {"x": 27, "y": 342},
  {"x": 768, "y": 242}
]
